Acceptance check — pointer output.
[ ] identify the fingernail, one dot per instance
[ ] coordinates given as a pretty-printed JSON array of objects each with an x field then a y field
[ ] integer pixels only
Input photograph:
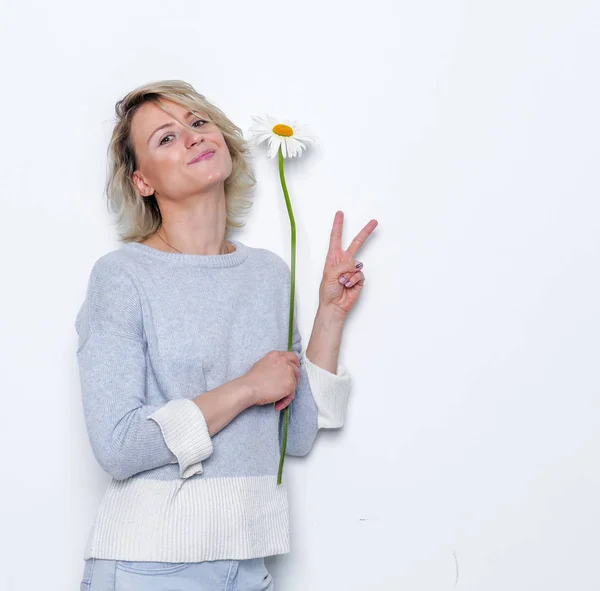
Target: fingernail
[
  {"x": 343, "y": 280},
  {"x": 359, "y": 265}
]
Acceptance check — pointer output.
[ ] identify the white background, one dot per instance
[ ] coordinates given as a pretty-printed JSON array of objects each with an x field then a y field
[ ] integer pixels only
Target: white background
[{"x": 469, "y": 130}]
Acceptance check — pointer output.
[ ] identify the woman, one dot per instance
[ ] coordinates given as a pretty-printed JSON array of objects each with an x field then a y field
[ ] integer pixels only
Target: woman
[{"x": 183, "y": 351}]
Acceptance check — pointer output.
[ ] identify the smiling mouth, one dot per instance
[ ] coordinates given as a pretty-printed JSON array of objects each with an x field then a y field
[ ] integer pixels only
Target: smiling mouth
[{"x": 203, "y": 156}]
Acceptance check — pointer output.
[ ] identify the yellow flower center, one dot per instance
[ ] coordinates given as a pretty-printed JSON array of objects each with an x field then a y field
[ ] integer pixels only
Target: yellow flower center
[{"x": 283, "y": 130}]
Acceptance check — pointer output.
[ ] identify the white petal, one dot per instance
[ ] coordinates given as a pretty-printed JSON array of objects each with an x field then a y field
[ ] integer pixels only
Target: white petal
[
  {"x": 258, "y": 126},
  {"x": 259, "y": 135},
  {"x": 299, "y": 150},
  {"x": 298, "y": 142},
  {"x": 274, "y": 143},
  {"x": 261, "y": 129},
  {"x": 262, "y": 120},
  {"x": 304, "y": 134},
  {"x": 293, "y": 147},
  {"x": 260, "y": 138},
  {"x": 302, "y": 127}
]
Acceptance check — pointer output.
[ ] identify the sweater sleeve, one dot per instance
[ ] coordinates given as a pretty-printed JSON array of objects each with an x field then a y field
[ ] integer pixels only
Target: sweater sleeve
[
  {"x": 320, "y": 401},
  {"x": 127, "y": 435}
]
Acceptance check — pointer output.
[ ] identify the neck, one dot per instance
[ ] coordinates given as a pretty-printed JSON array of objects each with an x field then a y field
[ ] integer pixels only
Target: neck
[{"x": 193, "y": 227}]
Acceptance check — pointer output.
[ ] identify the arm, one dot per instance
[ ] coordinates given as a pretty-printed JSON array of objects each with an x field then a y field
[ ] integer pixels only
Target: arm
[
  {"x": 128, "y": 435},
  {"x": 322, "y": 394},
  {"x": 221, "y": 405},
  {"x": 330, "y": 383},
  {"x": 325, "y": 340},
  {"x": 341, "y": 286}
]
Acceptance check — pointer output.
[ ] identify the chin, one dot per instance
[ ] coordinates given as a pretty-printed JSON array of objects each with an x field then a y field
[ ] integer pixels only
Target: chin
[
  {"x": 205, "y": 184},
  {"x": 213, "y": 179},
  {"x": 216, "y": 171}
]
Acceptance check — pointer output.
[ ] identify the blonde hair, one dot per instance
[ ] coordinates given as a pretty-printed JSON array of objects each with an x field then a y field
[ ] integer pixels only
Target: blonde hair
[{"x": 139, "y": 217}]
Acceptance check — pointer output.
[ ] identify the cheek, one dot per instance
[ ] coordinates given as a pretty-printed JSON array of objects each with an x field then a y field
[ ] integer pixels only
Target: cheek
[
  {"x": 162, "y": 168},
  {"x": 228, "y": 163},
  {"x": 218, "y": 170},
  {"x": 225, "y": 155}
]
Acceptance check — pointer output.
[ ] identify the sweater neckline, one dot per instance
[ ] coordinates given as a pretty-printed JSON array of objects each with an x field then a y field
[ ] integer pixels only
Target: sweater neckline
[{"x": 217, "y": 261}]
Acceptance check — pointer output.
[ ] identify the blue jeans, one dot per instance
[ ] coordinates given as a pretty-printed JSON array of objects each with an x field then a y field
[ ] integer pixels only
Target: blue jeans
[{"x": 218, "y": 575}]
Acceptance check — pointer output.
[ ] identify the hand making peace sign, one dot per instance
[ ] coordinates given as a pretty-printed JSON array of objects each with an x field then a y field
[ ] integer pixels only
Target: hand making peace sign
[{"x": 343, "y": 280}]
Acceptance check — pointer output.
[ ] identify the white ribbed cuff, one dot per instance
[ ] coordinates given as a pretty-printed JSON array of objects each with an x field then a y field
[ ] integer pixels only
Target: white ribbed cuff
[
  {"x": 185, "y": 431},
  {"x": 330, "y": 392}
]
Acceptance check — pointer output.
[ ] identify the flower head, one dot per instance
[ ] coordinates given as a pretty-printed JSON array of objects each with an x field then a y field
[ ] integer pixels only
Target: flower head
[{"x": 291, "y": 137}]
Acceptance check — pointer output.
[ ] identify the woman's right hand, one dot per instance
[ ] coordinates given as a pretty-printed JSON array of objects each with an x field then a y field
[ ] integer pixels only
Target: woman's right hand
[{"x": 274, "y": 378}]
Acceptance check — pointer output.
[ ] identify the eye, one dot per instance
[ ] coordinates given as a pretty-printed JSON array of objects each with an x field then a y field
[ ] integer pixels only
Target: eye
[
  {"x": 162, "y": 141},
  {"x": 197, "y": 121}
]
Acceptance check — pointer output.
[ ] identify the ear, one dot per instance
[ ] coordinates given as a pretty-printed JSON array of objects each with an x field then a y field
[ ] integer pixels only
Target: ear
[{"x": 141, "y": 185}]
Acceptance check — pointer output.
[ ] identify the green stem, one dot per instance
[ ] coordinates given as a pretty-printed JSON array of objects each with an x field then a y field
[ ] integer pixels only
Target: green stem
[{"x": 292, "y": 293}]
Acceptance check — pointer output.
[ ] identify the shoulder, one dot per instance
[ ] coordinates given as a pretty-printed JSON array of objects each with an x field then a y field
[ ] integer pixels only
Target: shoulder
[
  {"x": 270, "y": 261},
  {"x": 114, "y": 270},
  {"x": 117, "y": 260},
  {"x": 112, "y": 300}
]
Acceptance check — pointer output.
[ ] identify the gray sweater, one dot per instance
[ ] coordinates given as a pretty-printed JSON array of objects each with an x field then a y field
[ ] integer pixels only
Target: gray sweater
[{"x": 157, "y": 329}]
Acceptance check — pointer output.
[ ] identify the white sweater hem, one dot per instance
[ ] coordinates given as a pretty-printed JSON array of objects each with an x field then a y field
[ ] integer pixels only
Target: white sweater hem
[{"x": 191, "y": 520}]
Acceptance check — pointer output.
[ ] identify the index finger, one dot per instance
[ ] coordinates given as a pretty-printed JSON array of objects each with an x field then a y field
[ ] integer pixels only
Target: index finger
[
  {"x": 293, "y": 357},
  {"x": 361, "y": 237},
  {"x": 335, "y": 240}
]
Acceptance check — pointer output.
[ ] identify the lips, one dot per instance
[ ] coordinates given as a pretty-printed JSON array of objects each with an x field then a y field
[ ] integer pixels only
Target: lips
[{"x": 203, "y": 156}]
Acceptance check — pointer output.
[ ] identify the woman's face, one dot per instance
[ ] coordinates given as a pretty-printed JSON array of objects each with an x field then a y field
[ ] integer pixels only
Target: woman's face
[{"x": 168, "y": 152}]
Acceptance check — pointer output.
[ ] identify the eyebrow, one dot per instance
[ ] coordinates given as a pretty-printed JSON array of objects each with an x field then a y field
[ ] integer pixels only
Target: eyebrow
[{"x": 188, "y": 115}]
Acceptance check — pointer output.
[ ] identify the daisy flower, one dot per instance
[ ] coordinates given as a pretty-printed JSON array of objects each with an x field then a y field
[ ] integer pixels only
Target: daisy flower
[
  {"x": 285, "y": 135},
  {"x": 287, "y": 139}
]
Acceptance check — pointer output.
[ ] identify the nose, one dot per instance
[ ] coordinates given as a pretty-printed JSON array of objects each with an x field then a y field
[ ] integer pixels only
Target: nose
[{"x": 192, "y": 138}]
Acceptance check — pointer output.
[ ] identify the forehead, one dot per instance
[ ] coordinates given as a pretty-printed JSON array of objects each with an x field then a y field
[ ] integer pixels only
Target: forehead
[{"x": 149, "y": 116}]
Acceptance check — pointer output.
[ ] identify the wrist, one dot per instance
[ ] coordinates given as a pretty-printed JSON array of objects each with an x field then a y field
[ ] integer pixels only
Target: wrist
[
  {"x": 331, "y": 315},
  {"x": 246, "y": 392},
  {"x": 325, "y": 339}
]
